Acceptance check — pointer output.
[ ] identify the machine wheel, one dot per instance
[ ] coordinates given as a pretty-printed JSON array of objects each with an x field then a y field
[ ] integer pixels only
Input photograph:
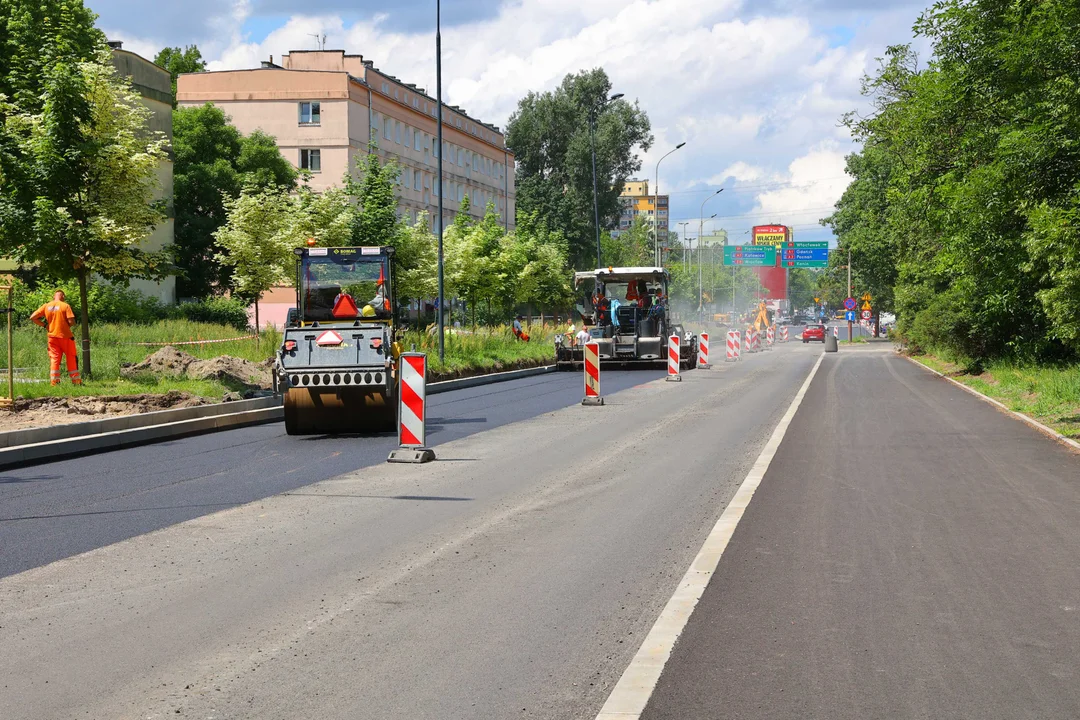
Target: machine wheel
[{"x": 339, "y": 411}]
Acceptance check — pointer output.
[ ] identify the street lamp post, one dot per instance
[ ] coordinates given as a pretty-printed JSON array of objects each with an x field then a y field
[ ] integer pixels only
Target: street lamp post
[
  {"x": 700, "y": 233},
  {"x": 849, "y": 292},
  {"x": 438, "y": 101},
  {"x": 686, "y": 241},
  {"x": 656, "y": 206},
  {"x": 592, "y": 147}
]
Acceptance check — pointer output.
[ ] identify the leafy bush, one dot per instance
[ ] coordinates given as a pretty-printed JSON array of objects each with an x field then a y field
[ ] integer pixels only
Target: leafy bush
[
  {"x": 113, "y": 304},
  {"x": 215, "y": 310}
]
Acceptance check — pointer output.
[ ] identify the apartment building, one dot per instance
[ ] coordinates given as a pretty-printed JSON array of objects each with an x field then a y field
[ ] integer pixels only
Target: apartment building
[
  {"x": 635, "y": 201},
  {"x": 324, "y": 106}
]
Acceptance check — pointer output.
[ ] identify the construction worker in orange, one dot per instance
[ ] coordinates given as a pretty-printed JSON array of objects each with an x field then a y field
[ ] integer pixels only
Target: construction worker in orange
[{"x": 57, "y": 318}]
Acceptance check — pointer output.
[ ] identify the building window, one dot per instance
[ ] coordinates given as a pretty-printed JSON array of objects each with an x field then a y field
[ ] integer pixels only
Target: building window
[
  {"x": 417, "y": 141},
  {"x": 311, "y": 160},
  {"x": 310, "y": 113},
  {"x": 397, "y": 132},
  {"x": 386, "y": 128},
  {"x": 386, "y": 88},
  {"x": 461, "y": 193},
  {"x": 408, "y": 136},
  {"x": 416, "y": 102},
  {"x": 461, "y": 157},
  {"x": 416, "y": 180},
  {"x": 435, "y": 147}
]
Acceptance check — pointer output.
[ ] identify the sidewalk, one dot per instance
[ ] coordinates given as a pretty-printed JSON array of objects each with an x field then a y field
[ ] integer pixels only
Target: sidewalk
[{"x": 911, "y": 553}]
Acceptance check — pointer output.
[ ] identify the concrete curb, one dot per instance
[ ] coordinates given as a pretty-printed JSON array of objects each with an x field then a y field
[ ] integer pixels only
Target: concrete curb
[
  {"x": 23, "y": 447},
  {"x": 1019, "y": 416}
]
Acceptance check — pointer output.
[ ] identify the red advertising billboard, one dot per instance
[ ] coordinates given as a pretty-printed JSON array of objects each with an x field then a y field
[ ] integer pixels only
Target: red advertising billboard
[{"x": 774, "y": 279}]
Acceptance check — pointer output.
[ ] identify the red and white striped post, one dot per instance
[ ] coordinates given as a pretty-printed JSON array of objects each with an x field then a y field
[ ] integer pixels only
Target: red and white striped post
[
  {"x": 412, "y": 411},
  {"x": 784, "y": 334},
  {"x": 673, "y": 359},
  {"x": 703, "y": 351},
  {"x": 592, "y": 375},
  {"x": 836, "y": 332},
  {"x": 733, "y": 345},
  {"x": 770, "y": 337},
  {"x": 749, "y": 340}
]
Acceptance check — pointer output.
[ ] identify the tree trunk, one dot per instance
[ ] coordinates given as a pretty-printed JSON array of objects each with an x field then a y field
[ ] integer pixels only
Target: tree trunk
[
  {"x": 84, "y": 314},
  {"x": 877, "y": 323},
  {"x": 257, "y": 315}
]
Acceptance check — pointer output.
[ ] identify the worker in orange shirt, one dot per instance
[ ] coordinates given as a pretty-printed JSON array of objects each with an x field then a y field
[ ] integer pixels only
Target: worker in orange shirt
[{"x": 57, "y": 318}]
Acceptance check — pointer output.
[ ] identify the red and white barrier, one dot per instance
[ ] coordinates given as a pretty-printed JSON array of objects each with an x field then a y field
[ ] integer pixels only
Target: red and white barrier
[
  {"x": 673, "y": 359},
  {"x": 592, "y": 375},
  {"x": 748, "y": 341},
  {"x": 412, "y": 410},
  {"x": 836, "y": 332},
  {"x": 734, "y": 349},
  {"x": 784, "y": 334},
  {"x": 703, "y": 351},
  {"x": 770, "y": 338},
  {"x": 755, "y": 340}
]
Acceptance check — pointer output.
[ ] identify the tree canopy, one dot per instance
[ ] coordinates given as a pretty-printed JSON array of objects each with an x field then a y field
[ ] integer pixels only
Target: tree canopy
[
  {"x": 212, "y": 162},
  {"x": 550, "y": 137},
  {"x": 967, "y": 187},
  {"x": 177, "y": 61}
]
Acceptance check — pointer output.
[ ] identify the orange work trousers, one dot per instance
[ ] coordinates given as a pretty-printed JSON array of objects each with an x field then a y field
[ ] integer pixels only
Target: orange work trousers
[{"x": 58, "y": 348}]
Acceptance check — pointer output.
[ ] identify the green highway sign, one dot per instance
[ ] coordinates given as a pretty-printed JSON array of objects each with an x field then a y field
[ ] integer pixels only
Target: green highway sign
[
  {"x": 750, "y": 255},
  {"x": 805, "y": 254}
]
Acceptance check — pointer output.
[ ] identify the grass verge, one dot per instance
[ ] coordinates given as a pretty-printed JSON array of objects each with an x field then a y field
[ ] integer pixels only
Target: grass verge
[
  {"x": 1050, "y": 395},
  {"x": 113, "y": 346},
  {"x": 485, "y": 349}
]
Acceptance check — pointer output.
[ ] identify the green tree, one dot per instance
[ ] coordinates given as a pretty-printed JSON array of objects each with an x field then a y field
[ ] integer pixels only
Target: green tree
[
  {"x": 374, "y": 193},
  {"x": 257, "y": 241},
  {"x": 212, "y": 162},
  {"x": 177, "y": 61},
  {"x": 549, "y": 134},
  {"x": 633, "y": 247},
  {"x": 87, "y": 176}
]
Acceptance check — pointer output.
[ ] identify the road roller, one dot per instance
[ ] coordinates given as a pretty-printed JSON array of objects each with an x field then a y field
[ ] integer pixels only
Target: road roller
[{"x": 337, "y": 365}]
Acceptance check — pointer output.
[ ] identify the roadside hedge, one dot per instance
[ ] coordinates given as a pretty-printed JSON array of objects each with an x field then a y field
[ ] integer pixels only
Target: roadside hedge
[{"x": 112, "y": 304}]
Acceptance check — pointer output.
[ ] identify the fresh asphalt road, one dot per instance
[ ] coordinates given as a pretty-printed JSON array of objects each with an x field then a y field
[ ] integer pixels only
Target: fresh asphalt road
[
  {"x": 514, "y": 577},
  {"x": 55, "y": 510},
  {"x": 910, "y": 553}
]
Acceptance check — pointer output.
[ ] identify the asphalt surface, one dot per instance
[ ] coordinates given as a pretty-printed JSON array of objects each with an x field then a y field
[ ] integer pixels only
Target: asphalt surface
[
  {"x": 54, "y": 510},
  {"x": 911, "y": 553},
  {"x": 514, "y": 577}
]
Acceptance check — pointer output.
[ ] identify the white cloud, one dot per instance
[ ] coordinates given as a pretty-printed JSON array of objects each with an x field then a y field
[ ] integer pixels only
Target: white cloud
[{"x": 754, "y": 89}]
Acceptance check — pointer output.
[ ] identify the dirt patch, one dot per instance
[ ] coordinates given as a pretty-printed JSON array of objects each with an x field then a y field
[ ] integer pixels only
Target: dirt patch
[
  {"x": 234, "y": 372},
  {"x": 46, "y": 411}
]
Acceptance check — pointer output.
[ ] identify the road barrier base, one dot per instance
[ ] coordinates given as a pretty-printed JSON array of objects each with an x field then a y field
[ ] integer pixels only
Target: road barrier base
[
  {"x": 592, "y": 401},
  {"x": 704, "y": 366},
  {"x": 674, "y": 378},
  {"x": 411, "y": 455}
]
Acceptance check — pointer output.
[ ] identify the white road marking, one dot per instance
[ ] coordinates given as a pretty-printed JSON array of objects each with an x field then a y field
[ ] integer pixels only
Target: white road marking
[{"x": 630, "y": 695}]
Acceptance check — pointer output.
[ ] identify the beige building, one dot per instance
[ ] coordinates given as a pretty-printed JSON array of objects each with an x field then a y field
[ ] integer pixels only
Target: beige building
[
  {"x": 322, "y": 106},
  {"x": 155, "y": 86},
  {"x": 635, "y": 200}
]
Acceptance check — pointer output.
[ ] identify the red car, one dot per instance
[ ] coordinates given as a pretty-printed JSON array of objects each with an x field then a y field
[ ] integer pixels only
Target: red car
[{"x": 813, "y": 332}]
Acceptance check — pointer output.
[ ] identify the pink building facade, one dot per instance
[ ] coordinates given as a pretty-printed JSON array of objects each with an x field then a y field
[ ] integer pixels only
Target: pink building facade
[{"x": 323, "y": 106}]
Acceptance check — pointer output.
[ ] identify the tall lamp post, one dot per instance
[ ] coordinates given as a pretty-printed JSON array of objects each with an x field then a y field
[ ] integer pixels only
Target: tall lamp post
[
  {"x": 592, "y": 147},
  {"x": 686, "y": 241},
  {"x": 656, "y": 206},
  {"x": 700, "y": 233},
  {"x": 438, "y": 101}
]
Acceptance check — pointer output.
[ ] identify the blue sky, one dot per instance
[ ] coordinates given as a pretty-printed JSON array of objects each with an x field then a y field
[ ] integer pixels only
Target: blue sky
[{"x": 754, "y": 87}]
